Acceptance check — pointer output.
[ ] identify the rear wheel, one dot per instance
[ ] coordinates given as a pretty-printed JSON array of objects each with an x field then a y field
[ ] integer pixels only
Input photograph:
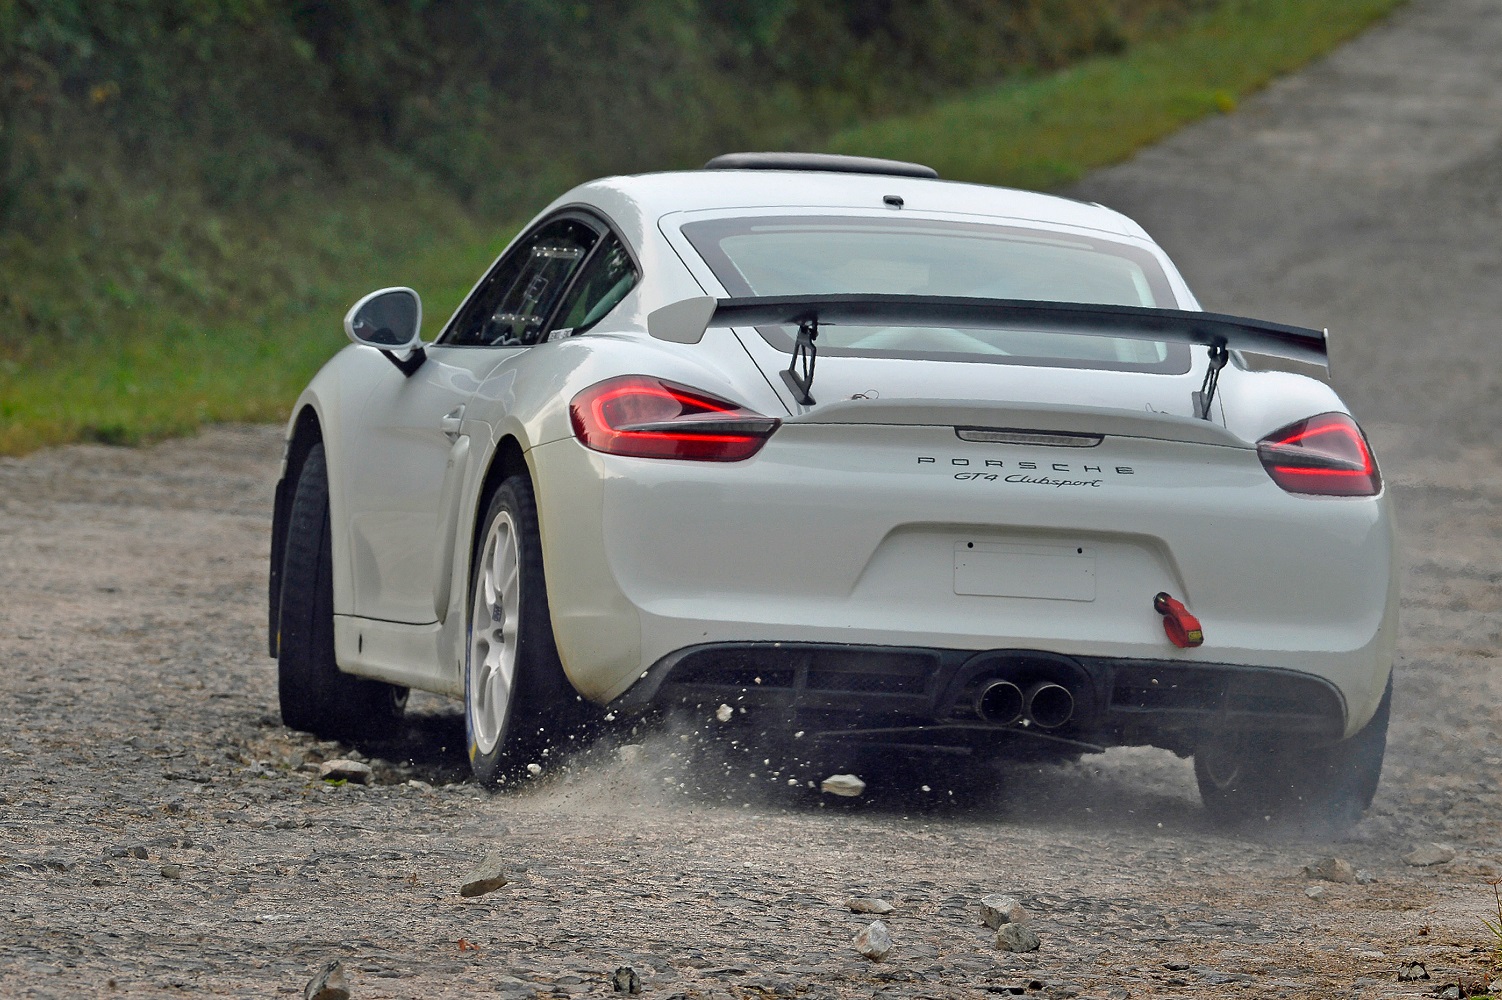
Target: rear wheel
[
  {"x": 518, "y": 705},
  {"x": 1247, "y": 781},
  {"x": 315, "y": 695}
]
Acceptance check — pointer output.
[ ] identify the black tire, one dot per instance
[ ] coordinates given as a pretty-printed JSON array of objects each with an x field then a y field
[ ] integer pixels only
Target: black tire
[
  {"x": 541, "y": 710},
  {"x": 1322, "y": 790},
  {"x": 317, "y": 697}
]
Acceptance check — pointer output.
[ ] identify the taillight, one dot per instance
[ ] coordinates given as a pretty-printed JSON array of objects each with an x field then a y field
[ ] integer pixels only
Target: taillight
[
  {"x": 650, "y": 418},
  {"x": 1323, "y": 456}
]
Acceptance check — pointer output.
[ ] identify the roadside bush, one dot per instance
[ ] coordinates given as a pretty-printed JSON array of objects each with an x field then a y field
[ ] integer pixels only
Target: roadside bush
[{"x": 172, "y": 154}]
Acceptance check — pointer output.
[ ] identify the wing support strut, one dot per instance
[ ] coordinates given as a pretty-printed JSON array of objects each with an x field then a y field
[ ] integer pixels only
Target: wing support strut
[
  {"x": 1206, "y": 395},
  {"x": 805, "y": 353}
]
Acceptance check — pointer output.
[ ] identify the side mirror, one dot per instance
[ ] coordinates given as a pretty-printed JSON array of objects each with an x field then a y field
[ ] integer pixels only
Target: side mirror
[{"x": 389, "y": 320}]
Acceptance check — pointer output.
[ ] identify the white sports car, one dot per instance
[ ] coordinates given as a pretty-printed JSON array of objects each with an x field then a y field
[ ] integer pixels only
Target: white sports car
[{"x": 851, "y": 450}]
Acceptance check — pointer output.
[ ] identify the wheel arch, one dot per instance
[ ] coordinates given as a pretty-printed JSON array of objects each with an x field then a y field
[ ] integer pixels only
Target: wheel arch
[
  {"x": 306, "y": 430},
  {"x": 507, "y": 459}
]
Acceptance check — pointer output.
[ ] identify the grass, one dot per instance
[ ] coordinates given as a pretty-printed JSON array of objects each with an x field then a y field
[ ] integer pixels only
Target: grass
[
  {"x": 1494, "y": 965},
  {"x": 1049, "y": 131},
  {"x": 151, "y": 371},
  {"x": 158, "y": 373}
]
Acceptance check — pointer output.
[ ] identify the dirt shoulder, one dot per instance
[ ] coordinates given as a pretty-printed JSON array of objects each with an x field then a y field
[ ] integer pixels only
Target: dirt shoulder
[{"x": 161, "y": 833}]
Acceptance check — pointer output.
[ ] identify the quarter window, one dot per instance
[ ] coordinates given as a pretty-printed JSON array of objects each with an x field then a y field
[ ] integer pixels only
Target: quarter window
[
  {"x": 515, "y": 299},
  {"x": 606, "y": 278}
]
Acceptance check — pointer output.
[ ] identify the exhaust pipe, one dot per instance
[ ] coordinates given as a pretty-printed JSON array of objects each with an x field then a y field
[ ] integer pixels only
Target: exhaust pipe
[
  {"x": 999, "y": 702},
  {"x": 1049, "y": 705}
]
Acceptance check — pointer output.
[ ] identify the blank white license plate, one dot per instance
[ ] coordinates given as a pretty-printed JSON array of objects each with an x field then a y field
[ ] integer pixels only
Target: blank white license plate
[{"x": 1007, "y": 569}]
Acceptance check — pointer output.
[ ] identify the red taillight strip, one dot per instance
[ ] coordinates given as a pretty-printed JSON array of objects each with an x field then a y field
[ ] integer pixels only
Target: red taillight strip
[
  {"x": 1296, "y": 448},
  {"x": 690, "y": 425},
  {"x": 681, "y": 423},
  {"x": 1305, "y": 457}
]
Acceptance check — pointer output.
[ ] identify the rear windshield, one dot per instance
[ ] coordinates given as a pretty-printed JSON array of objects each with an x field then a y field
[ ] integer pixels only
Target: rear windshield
[{"x": 800, "y": 255}]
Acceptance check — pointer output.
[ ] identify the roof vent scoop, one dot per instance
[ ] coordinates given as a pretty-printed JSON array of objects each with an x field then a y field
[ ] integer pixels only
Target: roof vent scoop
[{"x": 828, "y": 162}]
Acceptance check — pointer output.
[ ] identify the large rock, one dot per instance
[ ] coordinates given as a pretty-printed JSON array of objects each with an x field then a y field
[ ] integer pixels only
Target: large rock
[
  {"x": 487, "y": 876},
  {"x": 868, "y": 904},
  {"x": 344, "y": 769},
  {"x": 1332, "y": 870},
  {"x": 626, "y": 980},
  {"x": 1430, "y": 854},
  {"x": 328, "y": 984},
  {"x": 847, "y": 785},
  {"x": 873, "y": 941},
  {"x": 1017, "y": 937},
  {"x": 1412, "y": 972},
  {"x": 997, "y": 909}
]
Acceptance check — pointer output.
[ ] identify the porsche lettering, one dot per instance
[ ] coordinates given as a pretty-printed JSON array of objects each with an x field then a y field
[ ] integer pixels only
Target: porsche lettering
[{"x": 997, "y": 463}]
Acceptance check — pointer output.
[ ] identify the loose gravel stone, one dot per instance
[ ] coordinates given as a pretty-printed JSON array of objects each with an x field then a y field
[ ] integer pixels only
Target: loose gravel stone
[
  {"x": 343, "y": 769},
  {"x": 172, "y": 871},
  {"x": 1017, "y": 937},
  {"x": 847, "y": 785},
  {"x": 1316, "y": 892},
  {"x": 873, "y": 941},
  {"x": 626, "y": 980},
  {"x": 487, "y": 876},
  {"x": 997, "y": 909},
  {"x": 328, "y": 984},
  {"x": 1428, "y": 855},
  {"x": 868, "y": 904},
  {"x": 1332, "y": 870},
  {"x": 1412, "y": 972}
]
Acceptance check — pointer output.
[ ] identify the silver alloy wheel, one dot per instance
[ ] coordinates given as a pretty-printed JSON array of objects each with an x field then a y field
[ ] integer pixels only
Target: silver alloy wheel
[{"x": 493, "y": 625}]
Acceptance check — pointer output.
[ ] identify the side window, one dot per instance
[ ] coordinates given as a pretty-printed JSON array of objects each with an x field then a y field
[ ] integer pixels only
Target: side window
[
  {"x": 607, "y": 277},
  {"x": 513, "y": 302}
]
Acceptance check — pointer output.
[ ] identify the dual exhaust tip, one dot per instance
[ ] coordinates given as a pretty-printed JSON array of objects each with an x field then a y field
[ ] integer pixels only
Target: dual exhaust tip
[{"x": 1045, "y": 704}]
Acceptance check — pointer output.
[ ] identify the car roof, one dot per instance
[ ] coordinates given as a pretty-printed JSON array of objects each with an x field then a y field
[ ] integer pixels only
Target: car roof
[{"x": 646, "y": 198}]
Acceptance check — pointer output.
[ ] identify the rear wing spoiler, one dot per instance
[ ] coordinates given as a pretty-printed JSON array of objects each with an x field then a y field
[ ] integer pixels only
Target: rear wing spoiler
[{"x": 684, "y": 322}]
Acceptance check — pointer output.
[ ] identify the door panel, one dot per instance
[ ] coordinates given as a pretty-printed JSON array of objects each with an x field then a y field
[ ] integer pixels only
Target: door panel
[
  {"x": 395, "y": 466},
  {"x": 408, "y": 456}
]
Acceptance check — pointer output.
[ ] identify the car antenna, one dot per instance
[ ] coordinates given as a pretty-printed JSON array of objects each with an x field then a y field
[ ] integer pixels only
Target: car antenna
[
  {"x": 1206, "y": 393},
  {"x": 806, "y": 353}
]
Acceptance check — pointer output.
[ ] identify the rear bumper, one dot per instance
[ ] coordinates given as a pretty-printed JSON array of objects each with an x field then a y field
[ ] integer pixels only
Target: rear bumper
[
  {"x": 859, "y": 542},
  {"x": 917, "y": 695}
]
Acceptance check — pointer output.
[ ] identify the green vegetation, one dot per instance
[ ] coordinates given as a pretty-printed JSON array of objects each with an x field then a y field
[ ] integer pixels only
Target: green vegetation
[
  {"x": 191, "y": 195},
  {"x": 1494, "y": 966},
  {"x": 1047, "y": 131}
]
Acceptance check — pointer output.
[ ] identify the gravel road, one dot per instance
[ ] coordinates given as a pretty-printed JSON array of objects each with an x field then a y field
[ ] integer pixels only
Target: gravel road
[{"x": 162, "y": 834}]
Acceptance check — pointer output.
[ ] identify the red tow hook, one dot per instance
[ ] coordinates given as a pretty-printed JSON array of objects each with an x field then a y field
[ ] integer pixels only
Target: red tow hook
[{"x": 1183, "y": 628}]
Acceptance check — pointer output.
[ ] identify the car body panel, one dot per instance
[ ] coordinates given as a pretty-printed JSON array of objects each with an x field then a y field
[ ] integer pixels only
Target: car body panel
[{"x": 396, "y": 467}]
